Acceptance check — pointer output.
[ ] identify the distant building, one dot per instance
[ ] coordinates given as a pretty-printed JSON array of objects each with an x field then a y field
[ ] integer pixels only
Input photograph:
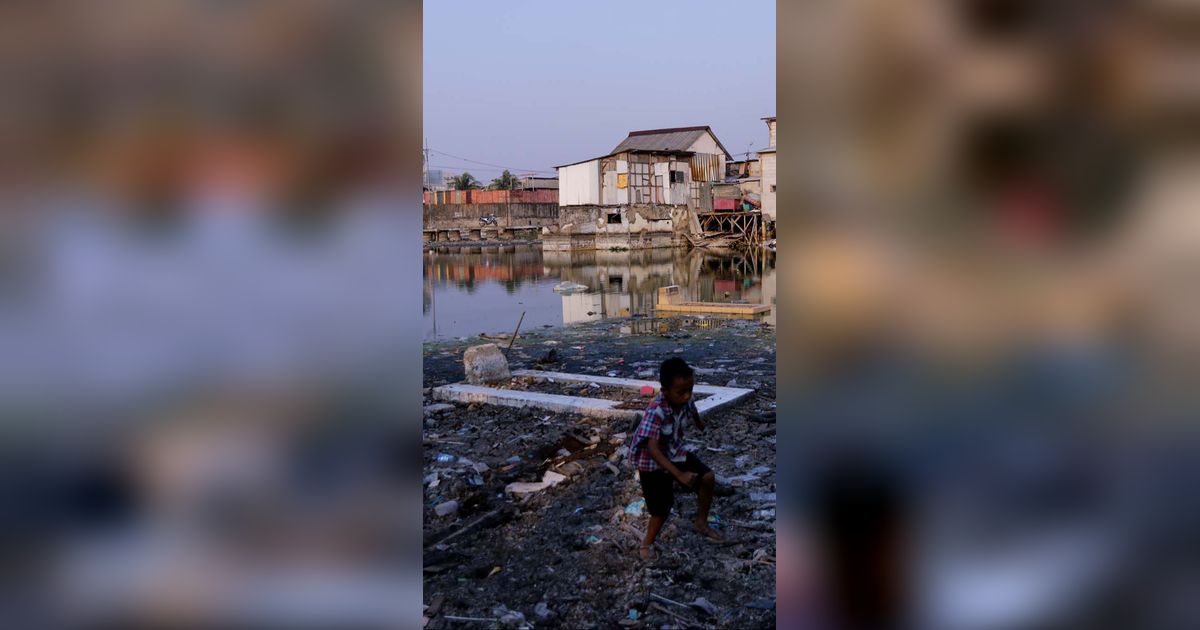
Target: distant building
[
  {"x": 769, "y": 173},
  {"x": 741, "y": 169},
  {"x": 531, "y": 182}
]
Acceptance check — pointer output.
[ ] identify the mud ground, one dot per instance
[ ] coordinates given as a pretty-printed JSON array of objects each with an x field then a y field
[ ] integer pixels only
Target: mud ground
[{"x": 566, "y": 556}]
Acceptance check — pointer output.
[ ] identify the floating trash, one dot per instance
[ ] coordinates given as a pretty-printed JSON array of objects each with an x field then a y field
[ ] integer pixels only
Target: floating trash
[
  {"x": 636, "y": 508},
  {"x": 445, "y": 457},
  {"x": 566, "y": 286}
]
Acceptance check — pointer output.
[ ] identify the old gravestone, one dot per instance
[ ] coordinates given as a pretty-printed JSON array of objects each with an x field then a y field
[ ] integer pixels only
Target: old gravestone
[{"x": 486, "y": 365}]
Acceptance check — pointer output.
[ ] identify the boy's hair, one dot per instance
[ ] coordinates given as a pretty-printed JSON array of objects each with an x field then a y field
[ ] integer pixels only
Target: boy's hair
[{"x": 672, "y": 369}]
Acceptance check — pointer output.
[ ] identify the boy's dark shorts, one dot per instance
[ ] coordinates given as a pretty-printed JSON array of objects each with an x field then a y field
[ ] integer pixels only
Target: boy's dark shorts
[{"x": 658, "y": 486}]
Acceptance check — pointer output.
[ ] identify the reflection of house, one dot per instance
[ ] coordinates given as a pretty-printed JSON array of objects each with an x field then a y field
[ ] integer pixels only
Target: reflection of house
[
  {"x": 582, "y": 307},
  {"x": 637, "y": 196}
]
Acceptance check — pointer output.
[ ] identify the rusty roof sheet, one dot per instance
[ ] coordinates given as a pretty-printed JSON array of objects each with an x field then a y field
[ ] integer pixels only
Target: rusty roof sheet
[{"x": 676, "y": 139}]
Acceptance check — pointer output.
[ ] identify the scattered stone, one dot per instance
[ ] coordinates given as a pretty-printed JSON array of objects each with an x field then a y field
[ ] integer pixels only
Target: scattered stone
[
  {"x": 447, "y": 508},
  {"x": 486, "y": 365},
  {"x": 508, "y": 618},
  {"x": 705, "y": 605}
]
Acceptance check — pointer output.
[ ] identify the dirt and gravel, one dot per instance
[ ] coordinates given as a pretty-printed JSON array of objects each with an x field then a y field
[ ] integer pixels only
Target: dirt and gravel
[{"x": 566, "y": 556}]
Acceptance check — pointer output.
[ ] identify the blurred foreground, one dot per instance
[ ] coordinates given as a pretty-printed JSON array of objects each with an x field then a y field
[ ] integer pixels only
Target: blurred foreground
[
  {"x": 990, "y": 307},
  {"x": 206, "y": 273}
]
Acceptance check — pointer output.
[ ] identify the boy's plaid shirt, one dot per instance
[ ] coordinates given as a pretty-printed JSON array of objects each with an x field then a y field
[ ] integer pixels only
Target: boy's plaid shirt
[{"x": 666, "y": 425}]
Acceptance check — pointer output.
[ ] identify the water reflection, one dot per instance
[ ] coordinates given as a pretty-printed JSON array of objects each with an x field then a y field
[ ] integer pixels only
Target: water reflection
[{"x": 474, "y": 290}]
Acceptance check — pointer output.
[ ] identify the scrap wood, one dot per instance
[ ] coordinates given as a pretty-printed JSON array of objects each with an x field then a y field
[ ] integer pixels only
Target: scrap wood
[
  {"x": 664, "y": 600},
  {"x": 688, "y": 623},
  {"x": 495, "y": 517},
  {"x": 762, "y": 527},
  {"x": 589, "y": 451}
]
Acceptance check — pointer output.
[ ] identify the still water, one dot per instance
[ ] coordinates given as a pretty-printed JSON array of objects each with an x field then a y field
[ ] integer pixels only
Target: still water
[{"x": 484, "y": 290}]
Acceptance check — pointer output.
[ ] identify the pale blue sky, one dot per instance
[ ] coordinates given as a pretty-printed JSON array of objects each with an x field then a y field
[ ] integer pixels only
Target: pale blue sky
[{"x": 536, "y": 83}]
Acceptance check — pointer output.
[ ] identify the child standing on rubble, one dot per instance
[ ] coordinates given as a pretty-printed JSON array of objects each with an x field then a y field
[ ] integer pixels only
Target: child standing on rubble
[{"x": 661, "y": 460}]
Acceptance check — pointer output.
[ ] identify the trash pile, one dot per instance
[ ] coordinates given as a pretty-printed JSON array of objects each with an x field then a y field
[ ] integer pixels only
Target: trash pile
[{"x": 534, "y": 519}]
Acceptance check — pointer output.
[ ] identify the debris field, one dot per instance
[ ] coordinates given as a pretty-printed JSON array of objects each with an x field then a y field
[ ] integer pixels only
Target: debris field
[{"x": 533, "y": 519}]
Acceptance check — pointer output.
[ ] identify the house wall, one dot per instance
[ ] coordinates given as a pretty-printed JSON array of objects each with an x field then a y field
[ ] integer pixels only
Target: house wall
[
  {"x": 771, "y": 132},
  {"x": 707, "y": 145},
  {"x": 768, "y": 184},
  {"x": 579, "y": 184}
]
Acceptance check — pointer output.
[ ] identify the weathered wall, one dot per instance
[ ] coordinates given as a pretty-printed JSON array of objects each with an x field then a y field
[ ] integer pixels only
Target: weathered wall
[
  {"x": 707, "y": 145},
  {"x": 490, "y": 196},
  {"x": 768, "y": 184},
  {"x": 579, "y": 184},
  {"x": 466, "y": 216}
]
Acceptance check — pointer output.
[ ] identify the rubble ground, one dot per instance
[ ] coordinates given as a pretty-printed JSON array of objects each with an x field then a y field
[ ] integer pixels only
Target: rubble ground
[{"x": 503, "y": 550}]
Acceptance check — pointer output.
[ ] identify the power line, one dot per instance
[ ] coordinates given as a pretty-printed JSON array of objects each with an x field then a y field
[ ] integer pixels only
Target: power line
[
  {"x": 512, "y": 168},
  {"x": 491, "y": 170}
]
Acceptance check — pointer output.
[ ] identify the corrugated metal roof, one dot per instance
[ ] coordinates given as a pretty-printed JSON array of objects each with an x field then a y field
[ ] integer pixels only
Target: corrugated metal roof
[
  {"x": 676, "y": 139},
  {"x": 677, "y": 153}
]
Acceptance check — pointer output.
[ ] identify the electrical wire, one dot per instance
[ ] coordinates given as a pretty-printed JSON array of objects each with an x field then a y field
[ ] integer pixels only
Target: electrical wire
[{"x": 501, "y": 166}]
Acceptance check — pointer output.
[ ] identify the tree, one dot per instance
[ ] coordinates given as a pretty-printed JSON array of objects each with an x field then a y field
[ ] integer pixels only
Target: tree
[
  {"x": 466, "y": 181},
  {"x": 506, "y": 181}
]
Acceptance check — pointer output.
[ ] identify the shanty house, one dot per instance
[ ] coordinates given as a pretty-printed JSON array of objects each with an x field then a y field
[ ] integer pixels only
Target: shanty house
[
  {"x": 638, "y": 194},
  {"x": 628, "y": 177}
]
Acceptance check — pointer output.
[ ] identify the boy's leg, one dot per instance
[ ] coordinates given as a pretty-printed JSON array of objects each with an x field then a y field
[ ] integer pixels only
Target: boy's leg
[
  {"x": 656, "y": 523},
  {"x": 704, "y": 494},
  {"x": 704, "y": 499},
  {"x": 656, "y": 487}
]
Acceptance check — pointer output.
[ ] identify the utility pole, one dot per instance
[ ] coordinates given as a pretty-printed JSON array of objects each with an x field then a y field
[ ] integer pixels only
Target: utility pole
[{"x": 425, "y": 165}]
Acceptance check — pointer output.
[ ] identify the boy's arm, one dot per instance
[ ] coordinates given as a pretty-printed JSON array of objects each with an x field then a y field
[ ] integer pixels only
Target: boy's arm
[
  {"x": 664, "y": 461},
  {"x": 696, "y": 420}
]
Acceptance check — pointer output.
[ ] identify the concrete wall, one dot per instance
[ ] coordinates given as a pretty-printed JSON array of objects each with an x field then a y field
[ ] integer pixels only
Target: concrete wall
[
  {"x": 466, "y": 216},
  {"x": 771, "y": 125},
  {"x": 768, "y": 184},
  {"x": 640, "y": 226}
]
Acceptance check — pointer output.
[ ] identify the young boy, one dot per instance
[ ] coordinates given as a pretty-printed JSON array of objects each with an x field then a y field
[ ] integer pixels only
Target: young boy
[{"x": 661, "y": 460}]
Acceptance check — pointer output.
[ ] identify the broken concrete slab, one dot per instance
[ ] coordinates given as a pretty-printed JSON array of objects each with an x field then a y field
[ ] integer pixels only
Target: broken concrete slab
[
  {"x": 486, "y": 365},
  {"x": 718, "y": 397},
  {"x": 550, "y": 478},
  {"x": 437, "y": 408}
]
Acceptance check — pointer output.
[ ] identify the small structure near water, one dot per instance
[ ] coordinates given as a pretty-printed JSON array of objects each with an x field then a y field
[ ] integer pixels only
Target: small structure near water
[{"x": 670, "y": 300}]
